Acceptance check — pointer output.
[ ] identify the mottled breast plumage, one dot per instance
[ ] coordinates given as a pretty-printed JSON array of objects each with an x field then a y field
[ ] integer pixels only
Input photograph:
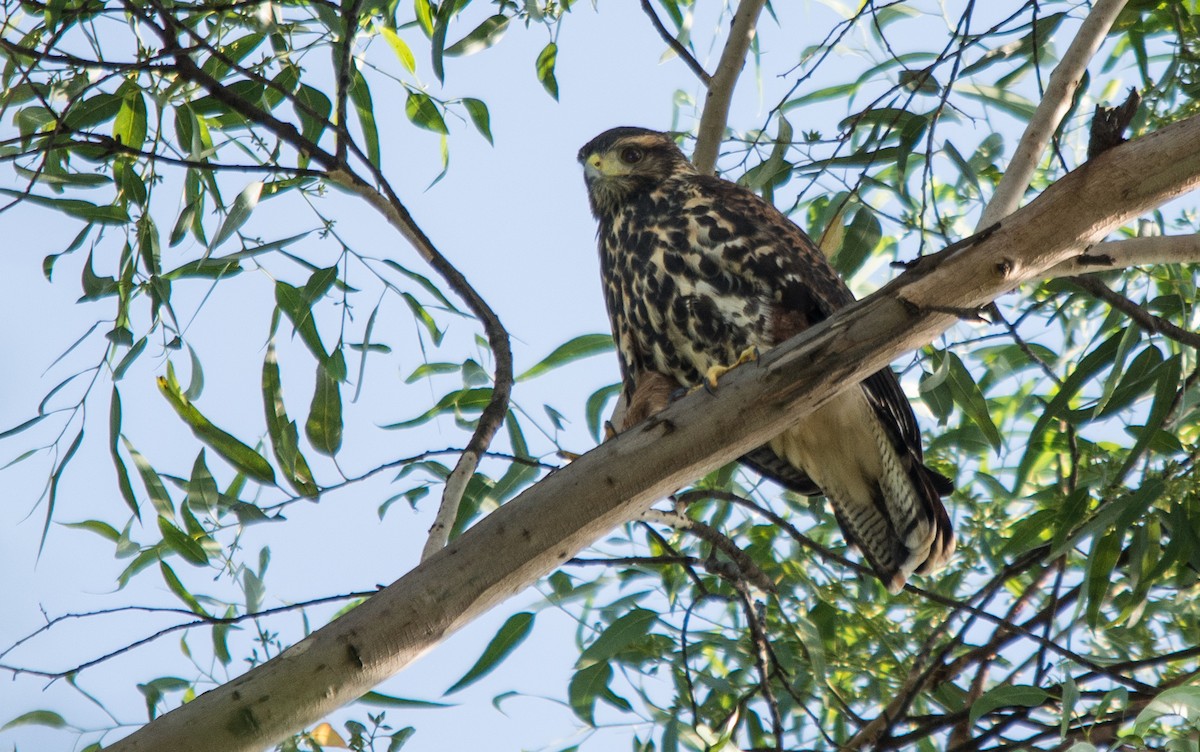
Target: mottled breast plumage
[{"x": 697, "y": 271}]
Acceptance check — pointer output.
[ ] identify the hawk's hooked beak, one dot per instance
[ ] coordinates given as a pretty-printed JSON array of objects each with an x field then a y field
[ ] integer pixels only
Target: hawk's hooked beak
[{"x": 591, "y": 167}]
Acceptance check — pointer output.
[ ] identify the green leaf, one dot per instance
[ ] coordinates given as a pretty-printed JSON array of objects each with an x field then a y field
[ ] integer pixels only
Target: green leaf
[
  {"x": 1178, "y": 701},
  {"x": 511, "y": 634},
  {"x": 55, "y": 478},
  {"x": 966, "y": 394},
  {"x": 619, "y": 635},
  {"x": 580, "y": 347},
  {"x": 314, "y": 114},
  {"x": 176, "y": 586},
  {"x": 400, "y": 738},
  {"x": 241, "y": 456},
  {"x": 457, "y": 402},
  {"x": 379, "y": 699},
  {"x": 860, "y": 239},
  {"x": 292, "y": 302},
  {"x": 425, "y": 284},
  {"x": 282, "y": 431},
  {"x": 202, "y": 492},
  {"x": 360, "y": 95},
  {"x": 585, "y": 686},
  {"x": 424, "y": 113},
  {"x": 153, "y": 484},
  {"x": 545, "y": 68},
  {"x": 424, "y": 317},
  {"x": 437, "y": 37},
  {"x": 1106, "y": 550},
  {"x": 432, "y": 369},
  {"x": 114, "y": 434},
  {"x": 1164, "y": 399},
  {"x": 103, "y": 529},
  {"x": 401, "y": 48},
  {"x": 595, "y": 404},
  {"x": 182, "y": 543},
  {"x": 1009, "y": 695},
  {"x": 36, "y": 718},
  {"x": 130, "y": 125},
  {"x": 242, "y": 207},
  {"x": 478, "y": 111},
  {"x": 78, "y": 208},
  {"x": 481, "y": 37},
  {"x": 324, "y": 424},
  {"x": 1092, "y": 363},
  {"x": 220, "y": 640},
  {"x": 93, "y": 111}
]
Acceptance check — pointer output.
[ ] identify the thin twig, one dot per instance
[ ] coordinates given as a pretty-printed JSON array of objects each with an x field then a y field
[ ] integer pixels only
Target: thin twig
[
  {"x": 684, "y": 54},
  {"x": 1140, "y": 316}
]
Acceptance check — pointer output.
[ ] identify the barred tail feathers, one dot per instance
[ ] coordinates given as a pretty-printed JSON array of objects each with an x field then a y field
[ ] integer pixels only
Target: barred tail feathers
[{"x": 886, "y": 502}]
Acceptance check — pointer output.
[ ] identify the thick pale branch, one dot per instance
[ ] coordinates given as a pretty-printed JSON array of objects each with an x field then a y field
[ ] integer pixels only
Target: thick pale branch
[
  {"x": 720, "y": 87},
  {"x": 552, "y": 521},
  {"x": 1122, "y": 254},
  {"x": 1054, "y": 105}
]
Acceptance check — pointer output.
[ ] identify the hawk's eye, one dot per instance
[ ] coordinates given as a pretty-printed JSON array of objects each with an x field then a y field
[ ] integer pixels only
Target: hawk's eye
[{"x": 631, "y": 155}]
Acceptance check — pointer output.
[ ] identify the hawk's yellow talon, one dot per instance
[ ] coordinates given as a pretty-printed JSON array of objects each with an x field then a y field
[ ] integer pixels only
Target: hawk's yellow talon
[{"x": 749, "y": 355}]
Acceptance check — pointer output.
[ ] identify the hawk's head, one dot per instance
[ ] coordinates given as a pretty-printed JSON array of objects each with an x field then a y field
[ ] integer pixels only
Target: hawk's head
[{"x": 623, "y": 162}]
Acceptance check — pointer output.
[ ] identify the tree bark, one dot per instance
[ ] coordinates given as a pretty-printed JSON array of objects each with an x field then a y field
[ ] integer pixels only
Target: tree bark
[
  {"x": 1064, "y": 80},
  {"x": 569, "y": 509}
]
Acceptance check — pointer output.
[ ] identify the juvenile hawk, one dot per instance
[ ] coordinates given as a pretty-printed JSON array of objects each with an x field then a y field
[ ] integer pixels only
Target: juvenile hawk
[{"x": 699, "y": 271}]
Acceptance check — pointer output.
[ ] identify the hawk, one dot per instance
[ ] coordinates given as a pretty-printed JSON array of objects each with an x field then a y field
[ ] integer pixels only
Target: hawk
[{"x": 700, "y": 273}]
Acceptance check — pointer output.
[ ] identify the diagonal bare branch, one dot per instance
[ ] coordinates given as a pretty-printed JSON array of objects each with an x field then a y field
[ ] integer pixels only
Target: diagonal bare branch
[{"x": 1054, "y": 105}]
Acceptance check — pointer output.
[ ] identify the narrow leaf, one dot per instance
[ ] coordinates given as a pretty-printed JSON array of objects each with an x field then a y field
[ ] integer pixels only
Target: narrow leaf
[
  {"x": 242, "y": 207},
  {"x": 360, "y": 95},
  {"x": 545, "y": 68},
  {"x": 625, "y": 630},
  {"x": 324, "y": 424},
  {"x": 422, "y": 111},
  {"x": 242, "y": 457},
  {"x": 582, "y": 346},
  {"x": 511, "y": 634},
  {"x": 284, "y": 437},
  {"x": 1007, "y": 696},
  {"x": 175, "y": 585},
  {"x": 478, "y": 111},
  {"x": 481, "y": 37},
  {"x": 114, "y": 433}
]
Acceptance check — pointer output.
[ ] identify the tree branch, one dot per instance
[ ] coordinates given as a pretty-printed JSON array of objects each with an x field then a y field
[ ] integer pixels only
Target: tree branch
[
  {"x": 384, "y": 200},
  {"x": 1122, "y": 254},
  {"x": 554, "y": 519},
  {"x": 1049, "y": 114},
  {"x": 684, "y": 54},
  {"x": 1140, "y": 316},
  {"x": 720, "y": 87}
]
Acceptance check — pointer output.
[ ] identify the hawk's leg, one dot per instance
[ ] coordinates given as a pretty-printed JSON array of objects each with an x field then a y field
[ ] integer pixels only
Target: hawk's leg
[
  {"x": 749, "y": 355},
  {"x": 651, "y": 394}
]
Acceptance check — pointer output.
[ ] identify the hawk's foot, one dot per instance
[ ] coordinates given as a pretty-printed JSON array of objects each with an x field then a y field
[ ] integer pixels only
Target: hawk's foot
[{"x": 749, "y": 355}]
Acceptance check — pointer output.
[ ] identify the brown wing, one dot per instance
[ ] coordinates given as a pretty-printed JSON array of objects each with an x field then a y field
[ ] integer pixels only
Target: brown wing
[{"x": 806, "y": 290}]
